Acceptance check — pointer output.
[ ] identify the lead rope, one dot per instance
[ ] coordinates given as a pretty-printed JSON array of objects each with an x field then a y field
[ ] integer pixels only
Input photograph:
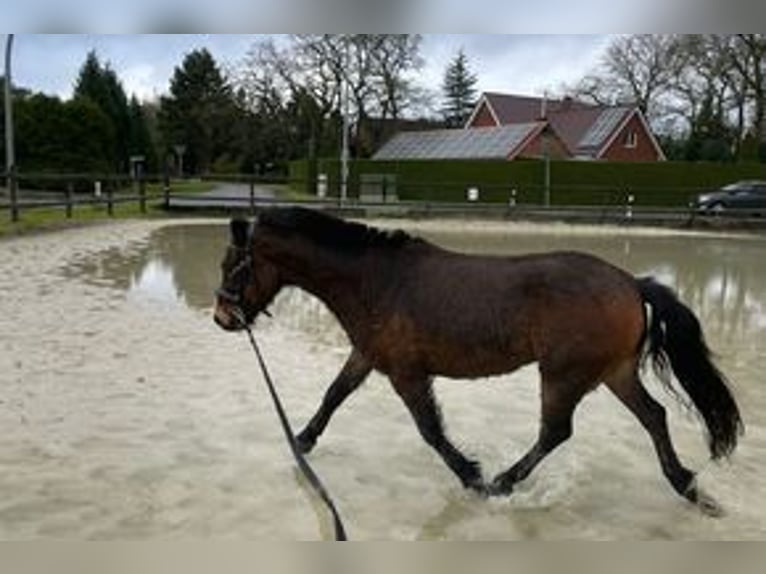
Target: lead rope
[{"x": 308, "y": 472}]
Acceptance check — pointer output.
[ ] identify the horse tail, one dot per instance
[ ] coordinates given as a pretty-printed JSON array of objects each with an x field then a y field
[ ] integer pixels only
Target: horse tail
[{"x": 676, "y": 342}]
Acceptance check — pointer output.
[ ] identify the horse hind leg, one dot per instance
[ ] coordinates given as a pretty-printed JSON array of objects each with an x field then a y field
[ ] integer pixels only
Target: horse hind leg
[
  {"x": 627, "y": 386},
  {"x": 558, "y": 405}
]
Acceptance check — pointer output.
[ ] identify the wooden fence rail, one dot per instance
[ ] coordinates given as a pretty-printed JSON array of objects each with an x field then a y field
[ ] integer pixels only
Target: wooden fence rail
[
  {"x": 61, "y": 191},
  {"x": 614, "y": 205}
]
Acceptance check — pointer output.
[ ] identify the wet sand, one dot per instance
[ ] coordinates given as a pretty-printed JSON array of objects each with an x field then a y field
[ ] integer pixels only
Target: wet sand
[{"x": 126, "y": 414}]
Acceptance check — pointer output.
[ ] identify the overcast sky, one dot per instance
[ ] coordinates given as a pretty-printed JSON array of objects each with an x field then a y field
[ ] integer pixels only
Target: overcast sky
[{"x": 523, "y": 64}]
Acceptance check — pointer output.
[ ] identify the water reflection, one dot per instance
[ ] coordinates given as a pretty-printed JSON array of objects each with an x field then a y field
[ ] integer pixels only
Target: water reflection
[
  {"x": 156, "y": 281},
  {"x": 721, "y": 278},
  {"x": 176, "y": 265}
]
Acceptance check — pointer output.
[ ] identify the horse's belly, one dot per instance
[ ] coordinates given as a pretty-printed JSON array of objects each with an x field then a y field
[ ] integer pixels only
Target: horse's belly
[
  {"x": 402, "y": 347},
  {"x": 468, "y": 363}
]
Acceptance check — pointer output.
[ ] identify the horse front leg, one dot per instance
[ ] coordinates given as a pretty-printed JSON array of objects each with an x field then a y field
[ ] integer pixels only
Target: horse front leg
[
  {"x": 417, "y": 394},
  {"x": 353, "y": 374}
]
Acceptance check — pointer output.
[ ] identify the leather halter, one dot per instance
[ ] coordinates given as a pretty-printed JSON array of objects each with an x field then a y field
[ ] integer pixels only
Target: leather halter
[{"x": 244, "y": 267}]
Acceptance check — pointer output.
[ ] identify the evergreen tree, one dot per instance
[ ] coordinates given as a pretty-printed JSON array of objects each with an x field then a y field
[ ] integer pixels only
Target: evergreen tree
[
  {"x": 459, "y": 88},
  {"x": 140, "y": 140},
  {"x": 100, "y": 84},
  {"x": 710, "y": 138},
  {"x": 62, "y": 137},
  {"x": 18, "y": 95},
  {"x": 199, "y": 113}
]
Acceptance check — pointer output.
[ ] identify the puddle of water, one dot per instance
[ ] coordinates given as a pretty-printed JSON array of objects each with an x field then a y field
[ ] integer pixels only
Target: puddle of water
[
  {"x": 176, "y": 264},
  {"x": 721, "y": 278}
]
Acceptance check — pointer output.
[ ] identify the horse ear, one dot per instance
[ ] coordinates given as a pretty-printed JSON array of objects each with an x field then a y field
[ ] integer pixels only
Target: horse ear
[{"x": 239, "y": 229}]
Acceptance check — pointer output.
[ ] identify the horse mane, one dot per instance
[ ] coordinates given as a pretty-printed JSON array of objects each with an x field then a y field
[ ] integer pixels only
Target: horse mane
[{"x": 331, "y": 231}]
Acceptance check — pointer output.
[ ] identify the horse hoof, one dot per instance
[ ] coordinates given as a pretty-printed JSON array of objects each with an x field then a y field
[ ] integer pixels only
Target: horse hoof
[
  {"x": 305, "y": 444},
  {"x": 708, "y": 505},
  {"x": 479, "y": 487},
  {"x": 499, "y": 487}
]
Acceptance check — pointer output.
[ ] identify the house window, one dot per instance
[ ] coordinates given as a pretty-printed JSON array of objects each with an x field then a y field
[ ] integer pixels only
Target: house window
[{"x": 630, "y": 139}]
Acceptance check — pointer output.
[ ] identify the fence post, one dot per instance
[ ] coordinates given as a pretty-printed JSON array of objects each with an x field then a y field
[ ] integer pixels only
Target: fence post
[
  {"x": 13, "y": 185},
  {"x": 142, "y": 193},
  {"x": 110, "y": 198},
  {"x": 69, "y": 193},
  {"x": 252, "y": 196},
  {"x": 166, "y": 186},
  {"x": 166, "y": 195}
]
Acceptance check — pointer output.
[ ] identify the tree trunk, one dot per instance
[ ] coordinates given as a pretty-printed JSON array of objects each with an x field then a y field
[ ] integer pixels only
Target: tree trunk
[{"x": 760, "y": 103}]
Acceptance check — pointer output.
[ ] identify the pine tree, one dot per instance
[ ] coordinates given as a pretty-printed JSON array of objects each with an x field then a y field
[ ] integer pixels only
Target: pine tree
[
  {"x": 459, "y": 89},
  {"x": 100, "y": 84},
  {"x": 140, "y": 140},
  {"x": 199, "y": 113},
  {"x": 62, "y": 137}
]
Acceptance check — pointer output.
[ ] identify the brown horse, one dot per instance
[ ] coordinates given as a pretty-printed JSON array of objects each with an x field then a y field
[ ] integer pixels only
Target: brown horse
[{"x": 414, "y": 311}]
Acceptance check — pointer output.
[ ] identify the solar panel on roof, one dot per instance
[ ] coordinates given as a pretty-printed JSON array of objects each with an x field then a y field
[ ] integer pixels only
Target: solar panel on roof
[
  {"x": 476, "y": 143},
  {"x": 602, "y": 128}
]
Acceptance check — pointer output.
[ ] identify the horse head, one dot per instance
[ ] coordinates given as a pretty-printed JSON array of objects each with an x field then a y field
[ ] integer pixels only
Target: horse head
[{"x": 249, "y": 281}]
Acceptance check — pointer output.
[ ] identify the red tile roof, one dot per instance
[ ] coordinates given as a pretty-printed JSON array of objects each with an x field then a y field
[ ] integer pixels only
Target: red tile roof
[
  {"x": 583, "y": 128},
  {"x": 512, "y": 109}
]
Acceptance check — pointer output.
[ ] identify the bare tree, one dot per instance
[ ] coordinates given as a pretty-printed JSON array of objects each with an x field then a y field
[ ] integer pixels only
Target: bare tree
[
  {"x": 271, "y": 73},
  {"x": 704, "y": 80},
  {"x": 374, "y": 68},
  {"x": 644, "y": 66},
  {"x": 594, "y": 88},
  {"x": 747, "y": 53},
  {"x": 395, "y": 56},
  {"x": 636, "y": 69},
  {"x": 705, "y": 88}
]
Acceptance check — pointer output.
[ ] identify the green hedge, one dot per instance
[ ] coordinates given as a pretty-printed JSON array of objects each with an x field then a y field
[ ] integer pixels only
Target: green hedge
[{"x": 572, "y": 182}]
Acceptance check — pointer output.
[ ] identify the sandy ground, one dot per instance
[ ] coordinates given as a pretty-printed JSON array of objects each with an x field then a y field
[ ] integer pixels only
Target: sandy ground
[{"x": 130, "y": 418}]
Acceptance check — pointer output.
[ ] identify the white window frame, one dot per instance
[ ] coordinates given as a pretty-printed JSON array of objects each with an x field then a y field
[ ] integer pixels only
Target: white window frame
[{"x": 631, "y": 139}]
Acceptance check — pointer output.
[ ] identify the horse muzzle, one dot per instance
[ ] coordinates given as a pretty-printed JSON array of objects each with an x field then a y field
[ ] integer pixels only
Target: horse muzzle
[{"x": 228, "y": 318}]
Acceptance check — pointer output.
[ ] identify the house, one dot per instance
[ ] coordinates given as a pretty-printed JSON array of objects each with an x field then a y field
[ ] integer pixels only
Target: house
[
  {"x": 614, "y": 133},
  {"x": 510, "y": 127}
]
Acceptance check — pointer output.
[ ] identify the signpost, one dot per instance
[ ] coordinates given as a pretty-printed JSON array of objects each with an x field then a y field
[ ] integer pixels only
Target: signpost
[{"x": 180, "y": 151}]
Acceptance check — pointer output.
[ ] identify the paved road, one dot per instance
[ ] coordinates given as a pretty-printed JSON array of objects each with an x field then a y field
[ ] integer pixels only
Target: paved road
[{"x": 223, "y": 195}]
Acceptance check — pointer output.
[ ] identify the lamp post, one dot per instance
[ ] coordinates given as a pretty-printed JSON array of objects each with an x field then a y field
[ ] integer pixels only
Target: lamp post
[
  {"x": 10, "y": 159},
  {"x": 547, "y": 161},
  {"x": 344, "y": 145},
  {"x": 10, "y": 156},
  {"x": 546, "y": 150}
]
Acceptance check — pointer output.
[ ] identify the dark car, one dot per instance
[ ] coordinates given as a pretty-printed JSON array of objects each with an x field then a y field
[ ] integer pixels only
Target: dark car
[{"x": 745, "y": 196}]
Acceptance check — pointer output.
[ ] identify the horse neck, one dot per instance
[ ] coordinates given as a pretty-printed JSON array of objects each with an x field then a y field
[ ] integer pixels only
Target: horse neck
[{"x": 338, "y": 281}]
